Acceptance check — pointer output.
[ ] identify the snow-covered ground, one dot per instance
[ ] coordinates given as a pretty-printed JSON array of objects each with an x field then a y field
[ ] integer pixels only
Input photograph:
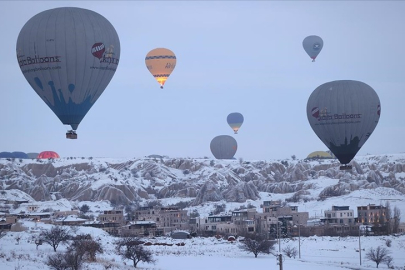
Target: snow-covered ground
[{"x": 317, "y": 253}]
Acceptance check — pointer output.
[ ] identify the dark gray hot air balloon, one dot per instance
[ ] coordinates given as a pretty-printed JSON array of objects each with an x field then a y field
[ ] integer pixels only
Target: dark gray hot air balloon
[
  {"x": 68, "y": 55},
  {"x": 313, "y": 46},
  {"x": 343, "y": 114},
  {"x": 223, "y": 147},
  {"x": 235, "y": 121}
]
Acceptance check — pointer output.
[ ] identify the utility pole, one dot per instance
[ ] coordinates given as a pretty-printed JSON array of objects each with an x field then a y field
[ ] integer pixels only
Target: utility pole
[
  {"x": 280, "y": 261},
  {"x": 299, "y": 241},
  {"x": 278, "y": 236},
  {"x": 359, "y": 245}
]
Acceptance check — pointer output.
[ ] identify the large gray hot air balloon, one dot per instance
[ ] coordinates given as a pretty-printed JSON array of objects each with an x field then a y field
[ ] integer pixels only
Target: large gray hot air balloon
[
  {"x": 223, "y": 147},
  {"x": 313, "y": 46},
  {"x": 68, "y": 55},
  {"x": 343, "y": 114}
]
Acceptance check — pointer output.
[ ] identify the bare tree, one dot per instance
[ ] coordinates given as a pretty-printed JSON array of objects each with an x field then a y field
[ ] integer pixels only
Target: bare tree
[
  {"x": 378, "y": 255},
  {"x": 388, "y": 262},
  {"x": 85, "y": 247},
  {"x": 290, "y": 252},
  {"x": 55, "y": 236},
  {"x": 73, "y": 259},
  {"x": 256, "y": 244},
  {"x": 69, "y": 260},
  {"x": 57, "y": 262},
  {"x": 131, "y": 248}
]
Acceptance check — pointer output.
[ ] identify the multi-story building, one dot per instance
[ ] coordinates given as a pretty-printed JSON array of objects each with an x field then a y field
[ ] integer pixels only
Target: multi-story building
[
  {"x": 372, "y": 214},
  {"x": 237, "y": 222},
  {"x": 244, "y": 220},
  {"x": 339, "y": 215},
  {"x": 112, "y": 216},
  {"x": 210, "y": 224},
  {"x": 275, "y": 209},
  {"x": 167, "y": 218}
]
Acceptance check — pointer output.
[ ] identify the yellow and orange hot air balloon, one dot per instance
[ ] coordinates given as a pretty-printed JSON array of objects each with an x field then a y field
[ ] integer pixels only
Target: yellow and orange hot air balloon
[{"x": 160, "y": 62}]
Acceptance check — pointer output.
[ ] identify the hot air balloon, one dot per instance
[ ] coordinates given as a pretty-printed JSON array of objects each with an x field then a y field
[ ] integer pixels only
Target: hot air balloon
[
  {"x": 48, "y": 154},
  {"x": 313, "y": 46},
  {"x": 343, "y": 114},
  {"x": 160, "y": 62},
  {"x": 223, "y": 147},
  {"x": 32, "y": 155},
  {"x": 6, "y": 155},
  {"x": 68, "y": 55},
  {"x": 18, "y": 154},
  {"x": 235, "y": 121}
]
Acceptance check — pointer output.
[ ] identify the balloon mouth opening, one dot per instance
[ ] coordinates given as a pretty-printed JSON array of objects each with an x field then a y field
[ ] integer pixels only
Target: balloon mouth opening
[{"x": 346, "y": 167}]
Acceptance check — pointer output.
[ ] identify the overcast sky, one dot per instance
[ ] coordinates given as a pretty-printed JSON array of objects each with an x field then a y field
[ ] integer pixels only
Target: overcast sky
[{"x": 232, "y": 56}]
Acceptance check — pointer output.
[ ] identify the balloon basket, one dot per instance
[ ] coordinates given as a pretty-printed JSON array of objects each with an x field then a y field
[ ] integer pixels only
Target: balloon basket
[
  {"x": 71, "y": 135},
  {"x": 346, "y": 167}
]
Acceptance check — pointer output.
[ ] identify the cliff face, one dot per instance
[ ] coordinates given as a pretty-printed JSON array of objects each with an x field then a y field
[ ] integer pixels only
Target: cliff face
[{"x": 124, "y": 181}]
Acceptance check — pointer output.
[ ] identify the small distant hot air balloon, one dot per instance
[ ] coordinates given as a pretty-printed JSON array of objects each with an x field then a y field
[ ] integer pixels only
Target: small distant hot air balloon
[
  {"x": 223, "y": 147},
  {"x": 6, "y": 155},
  {"x": 47, "y": 155},
  {"x": 32, "y": 155},
  {"x": 160, "y": 62},
  {"x": 18, "y": 154},
  {"x": 313, "y": 46},
  {"x": 68, "y": 55},
  {"x": 343, "y": 114},
  {"x": 235, "y": 121}
]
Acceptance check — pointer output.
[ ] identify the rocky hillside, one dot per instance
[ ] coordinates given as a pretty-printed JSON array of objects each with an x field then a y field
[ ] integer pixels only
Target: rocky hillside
[{"x": 203, "y": 180}]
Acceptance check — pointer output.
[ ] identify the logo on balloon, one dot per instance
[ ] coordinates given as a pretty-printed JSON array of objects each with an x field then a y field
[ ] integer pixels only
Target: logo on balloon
[
  {"x": 315, "y": 112},
  {"x": 98, "y": 50},
  {"x": 378, "y": 110},
  {"x": 317, "y": 46}
]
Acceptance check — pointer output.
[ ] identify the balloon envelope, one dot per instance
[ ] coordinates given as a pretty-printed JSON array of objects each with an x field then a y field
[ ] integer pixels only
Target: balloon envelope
[
  {"x": 48, "y": 154},
  {"x": 68, "y": 55},
  {"x": 6, "y": 155},
  {"x": 32, "y": 155},
  {"x": 313, "y": 46},
  {"x": 343, "y": 114},
  {"x": 223, "y": 147},
  {"x": 235, "y": 121},
  {"x": 160, "y": 63},
  {"x": 19, "y": 155}
]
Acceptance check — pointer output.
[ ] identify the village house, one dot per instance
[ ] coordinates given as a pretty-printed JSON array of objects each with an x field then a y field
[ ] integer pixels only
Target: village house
[
  {"x": 339, "y": 215},
  {"x": 167, "y": 218},
  {"x": 372, "y": 214},
  {"x": 284, "y": 213},
  {"x": 7, "y": 221},
  {"x": 141, "y": 228},
  {"x": 112, "y": 216},
  {"x": 69, "y": 220}
]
